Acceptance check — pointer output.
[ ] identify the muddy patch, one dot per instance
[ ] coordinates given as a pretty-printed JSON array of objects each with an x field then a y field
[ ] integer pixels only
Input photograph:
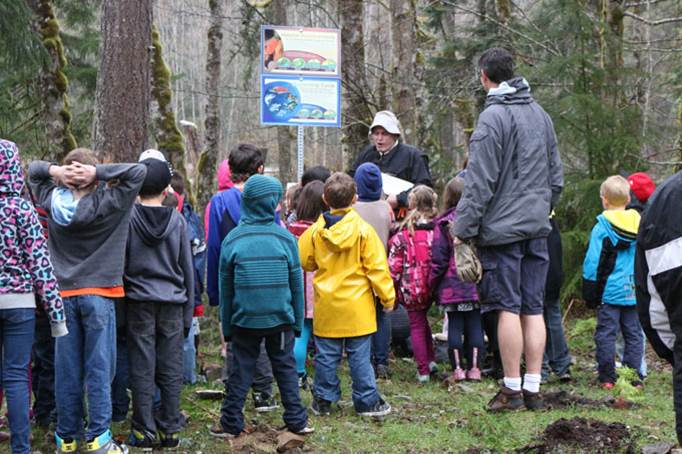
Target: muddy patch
[
  {"x": 584, "y": 435},
  {"x": 262, "y": 439}
]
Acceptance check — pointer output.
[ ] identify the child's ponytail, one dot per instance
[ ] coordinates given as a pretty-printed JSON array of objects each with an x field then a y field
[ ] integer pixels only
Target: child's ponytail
[{"x": 422, "y": 204}]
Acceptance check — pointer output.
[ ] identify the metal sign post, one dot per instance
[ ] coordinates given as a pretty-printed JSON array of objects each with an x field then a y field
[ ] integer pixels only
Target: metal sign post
[{"x": 299, "y": 153}]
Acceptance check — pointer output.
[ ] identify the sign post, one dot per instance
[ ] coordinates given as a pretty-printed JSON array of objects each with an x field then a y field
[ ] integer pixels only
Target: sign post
[{"x": 300, "y": 80}]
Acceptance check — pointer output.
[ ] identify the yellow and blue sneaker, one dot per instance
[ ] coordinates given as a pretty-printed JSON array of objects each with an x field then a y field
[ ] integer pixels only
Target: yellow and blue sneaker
[{"x": 65, "y": 445}]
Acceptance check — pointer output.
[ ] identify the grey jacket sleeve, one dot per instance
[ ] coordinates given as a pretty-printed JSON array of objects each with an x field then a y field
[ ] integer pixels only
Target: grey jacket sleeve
[
  {"x": 41, "y": 183},
  {"x": 481, "y": 180},
  {"x": 556, "y": 169},
  {"x": 121, "y": 195},
  {"x": 188, "y": 272}
]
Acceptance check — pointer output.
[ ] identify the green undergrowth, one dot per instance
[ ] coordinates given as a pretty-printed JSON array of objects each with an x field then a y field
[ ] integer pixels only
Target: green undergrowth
[{"x": 431, "y": 418}]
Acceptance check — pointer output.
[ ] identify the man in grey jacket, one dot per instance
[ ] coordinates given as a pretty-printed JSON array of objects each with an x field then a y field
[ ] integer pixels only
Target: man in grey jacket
[{"x": 513, "y": 179}]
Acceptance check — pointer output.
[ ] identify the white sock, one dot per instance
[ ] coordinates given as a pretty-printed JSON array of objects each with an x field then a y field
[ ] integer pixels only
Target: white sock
[
  {"x": 513, "y": 383},
  {"x": 531, "y": 382}
]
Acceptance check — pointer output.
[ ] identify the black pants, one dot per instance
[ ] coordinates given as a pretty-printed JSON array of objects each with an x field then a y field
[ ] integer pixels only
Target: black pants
[
  {"x": 262, "y": 377},
  {"x": 245, "y": 351},
  {"x": 44, "y": 409},
  {"x": 155, "y": 337}
]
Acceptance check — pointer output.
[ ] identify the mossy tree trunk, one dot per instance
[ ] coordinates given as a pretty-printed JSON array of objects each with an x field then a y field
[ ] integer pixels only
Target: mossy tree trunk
[
  {"x": 166, "y": 132},
  {"x": 356, "y": 116},
  {"x": 53, "y": 83},
  {"x": 121, "y": 124},
  {"x": 206, "y": 167}
]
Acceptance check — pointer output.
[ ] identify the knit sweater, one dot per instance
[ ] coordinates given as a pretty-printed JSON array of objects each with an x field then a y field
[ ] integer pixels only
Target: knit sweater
[{"x": 260, "y": 276}]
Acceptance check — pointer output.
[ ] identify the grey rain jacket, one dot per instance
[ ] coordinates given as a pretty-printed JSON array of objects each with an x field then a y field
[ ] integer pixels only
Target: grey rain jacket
[{"x": 514, "y": 176}]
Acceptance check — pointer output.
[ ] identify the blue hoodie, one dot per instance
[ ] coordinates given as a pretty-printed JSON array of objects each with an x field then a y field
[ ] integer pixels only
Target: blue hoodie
[
  {"x": 261, "y": 281},
  {"x": 609, "y": 266}
]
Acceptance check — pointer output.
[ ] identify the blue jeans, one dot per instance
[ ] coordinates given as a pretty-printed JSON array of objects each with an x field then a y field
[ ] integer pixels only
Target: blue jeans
[
  {"x": 381, "y": 340},
  {"x": 189, "y": 355},
  {"x": 120, "y": 402},
  {"x": 620, "y": 349},
  {"x": 556, "y": 358},
  {"x": 301, "y": 346},
  {"x": 16, "y": 338},
  {"x": 327, "y": 358},
  {"x": 246, "y": 348},
  {"x": 610, "y": 318},
  {"x": 85, "y": 361}
]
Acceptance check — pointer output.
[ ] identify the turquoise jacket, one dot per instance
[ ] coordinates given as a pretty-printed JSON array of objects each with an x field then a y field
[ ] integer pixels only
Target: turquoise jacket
[
  {"x": 260, "y": 276},
  {"x": 609, "y": 266}
]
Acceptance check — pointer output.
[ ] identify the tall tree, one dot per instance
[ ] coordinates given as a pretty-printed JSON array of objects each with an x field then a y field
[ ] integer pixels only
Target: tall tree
[
  {"x": 121, "y": 125},
  {"x": 209, "y": 156},
  {"x": 53, "y": 83},
  {"x": 356, "y": 115}
]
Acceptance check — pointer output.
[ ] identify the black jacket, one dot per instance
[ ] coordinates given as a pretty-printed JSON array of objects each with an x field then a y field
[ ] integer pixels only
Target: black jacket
[
  {"x": 658, "y": 261},
  {"x": 555, "y": 274},
  {"x": 404, "y": 161}
]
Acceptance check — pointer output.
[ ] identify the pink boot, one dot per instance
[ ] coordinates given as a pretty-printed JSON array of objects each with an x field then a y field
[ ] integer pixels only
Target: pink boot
[
  {"x": 458, "y": 374},
  {"x": 474, "y": 373}
]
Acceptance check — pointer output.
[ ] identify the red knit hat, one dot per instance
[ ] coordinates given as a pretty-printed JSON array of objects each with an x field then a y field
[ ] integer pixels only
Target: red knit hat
[{"x": 641, "y": 185}]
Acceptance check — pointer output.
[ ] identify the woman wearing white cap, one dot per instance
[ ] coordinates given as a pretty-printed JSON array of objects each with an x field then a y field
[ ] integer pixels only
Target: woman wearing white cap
[{"x": 394, "y": 157}]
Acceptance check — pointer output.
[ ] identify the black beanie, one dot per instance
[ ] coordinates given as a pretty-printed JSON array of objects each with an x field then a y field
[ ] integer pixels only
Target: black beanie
[{"x": 158, "y": 177}]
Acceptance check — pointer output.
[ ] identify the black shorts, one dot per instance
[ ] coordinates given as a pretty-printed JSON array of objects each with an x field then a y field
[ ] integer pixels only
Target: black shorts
[{"x": 514, "y": 277}]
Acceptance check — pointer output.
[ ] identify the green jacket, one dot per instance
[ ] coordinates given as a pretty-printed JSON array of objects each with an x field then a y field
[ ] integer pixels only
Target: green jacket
[{"x": 260, "y": 277}]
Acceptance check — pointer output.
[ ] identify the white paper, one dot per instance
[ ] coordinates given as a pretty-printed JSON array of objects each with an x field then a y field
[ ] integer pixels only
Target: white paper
[{"x": 394, "y": 185}]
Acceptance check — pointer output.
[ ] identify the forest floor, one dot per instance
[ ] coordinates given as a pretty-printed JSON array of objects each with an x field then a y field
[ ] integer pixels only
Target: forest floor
[{"x": 432, "y": 418}]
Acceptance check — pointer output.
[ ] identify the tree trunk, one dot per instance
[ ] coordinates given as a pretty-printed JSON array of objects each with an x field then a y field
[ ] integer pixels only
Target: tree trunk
[
  {"x": 206, "y": 166},
  {"x": 405, "y": 66},
  {"x": 166, "y": 131},
  {"x": 278, "y": 16},
  {"x": 121, "y": 126},
  {"x": 53, "y": 83},
  {"x": 356, "y": 114}
]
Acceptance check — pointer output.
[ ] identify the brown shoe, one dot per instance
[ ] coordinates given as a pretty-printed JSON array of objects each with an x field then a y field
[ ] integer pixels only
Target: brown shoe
[
  {"x": 533, "y": 401},
  {"x": 506, "y": 400}
]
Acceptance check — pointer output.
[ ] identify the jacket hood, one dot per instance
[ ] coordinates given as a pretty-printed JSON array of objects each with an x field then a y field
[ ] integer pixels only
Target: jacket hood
[
  {"x": 153, "y": 224},
  {"x": 341, "y": 229},
  {"x": 620, "y": 225},
  {"x": 11, "y": 174},
  {"x": 259, "y": 200},
  {"x": 446, "y": 217},
  {"x": 224, "y": 176},
  {"x": 513, "y": 91}
]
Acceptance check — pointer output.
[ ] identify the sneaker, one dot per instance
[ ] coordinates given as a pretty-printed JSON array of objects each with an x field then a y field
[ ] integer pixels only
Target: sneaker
[
  {"x": 218, "y": 431},
  {"x": 607, "y": 385},
  {"x": 303, "y": 381},
  {"x": 459, "y": 374},
  {"x": 64, "y": 445},
  {"x": 506, "y": 400},
  {"x": 105, "y": 444},
  {"x": 168, "y": 440},
  {"x": 533, "y": 401},
  {"x": 307, "y": 430},
  {"x": 381, "y": 408},
  {"x": 637, "y": 384},
  {"x": 381, "y": 371},
  {"x": 321, "y": 407},
  {"x": 474, "y": 374},
  {"x": 433, "y": 368},
  {"x": 423, "y": 378},
  {"x": 263, "y": 403},
  {"x": 141, "y": 439}
]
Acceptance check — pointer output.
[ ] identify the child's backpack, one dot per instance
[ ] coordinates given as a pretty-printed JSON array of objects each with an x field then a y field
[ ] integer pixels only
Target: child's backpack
[{"x": 413, "y": 283}]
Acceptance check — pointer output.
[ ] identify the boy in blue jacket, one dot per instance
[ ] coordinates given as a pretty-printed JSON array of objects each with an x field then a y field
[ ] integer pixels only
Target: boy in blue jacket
[
  {"x": 261, "y": 298},
  {"x": 609, "y": 281}
]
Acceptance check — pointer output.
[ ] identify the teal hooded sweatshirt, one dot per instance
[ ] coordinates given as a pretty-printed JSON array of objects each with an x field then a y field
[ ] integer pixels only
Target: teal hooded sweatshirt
[{"x": 260, "y": 276}]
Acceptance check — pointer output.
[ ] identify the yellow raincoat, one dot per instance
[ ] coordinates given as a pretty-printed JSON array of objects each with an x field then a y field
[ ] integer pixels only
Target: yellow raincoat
[{"x": 350, "y": 267}]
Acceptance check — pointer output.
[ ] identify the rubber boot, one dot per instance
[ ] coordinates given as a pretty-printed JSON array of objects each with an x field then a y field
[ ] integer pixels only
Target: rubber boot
[{"x": 474, "y": 373}]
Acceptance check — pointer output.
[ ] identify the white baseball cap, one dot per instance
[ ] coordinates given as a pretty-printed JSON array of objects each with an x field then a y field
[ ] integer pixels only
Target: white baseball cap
[
  {"x": 387, "y": 120},
  {"x": 152, "y": 154}
]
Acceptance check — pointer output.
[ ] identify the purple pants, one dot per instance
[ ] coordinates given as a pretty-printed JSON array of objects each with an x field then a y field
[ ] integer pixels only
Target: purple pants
[{"x": 422, "y": 342}]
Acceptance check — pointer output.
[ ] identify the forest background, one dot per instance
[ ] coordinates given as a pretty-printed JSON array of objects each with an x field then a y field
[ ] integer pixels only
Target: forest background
[{"x": 182, "y": 76}]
